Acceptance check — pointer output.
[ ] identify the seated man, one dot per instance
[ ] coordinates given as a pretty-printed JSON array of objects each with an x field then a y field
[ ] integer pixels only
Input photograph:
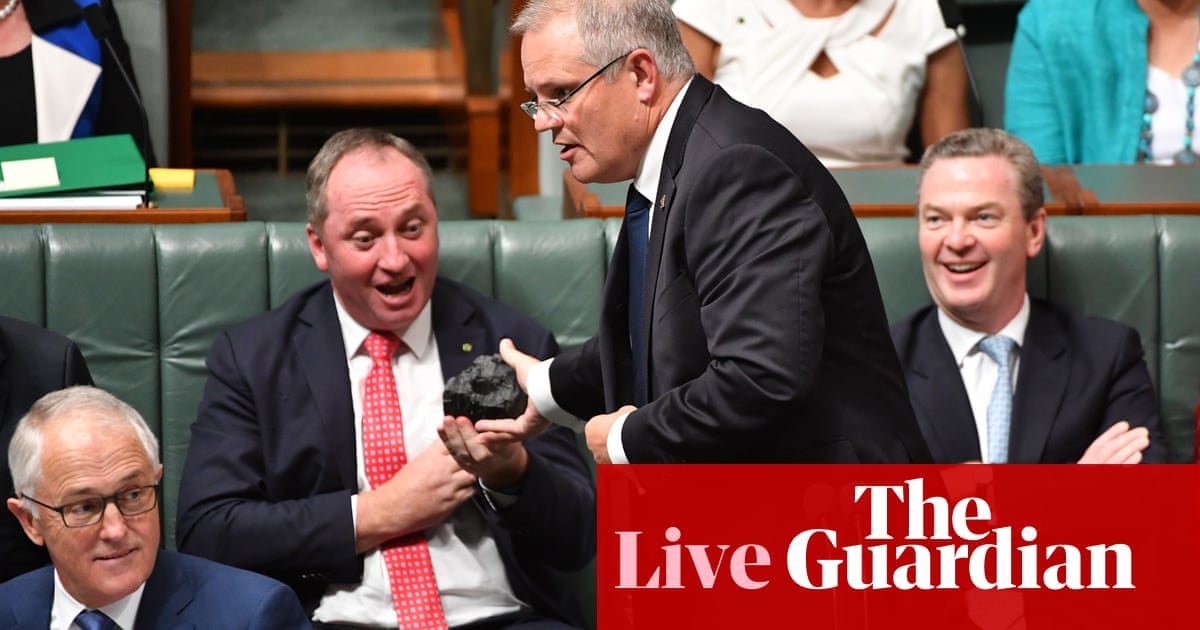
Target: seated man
[
  {"x": 77, "y": 451},
  {"x": 1082, "y": 390},
  {"x": 316, "y": 458},
  {"x": 33, "y": 362}
]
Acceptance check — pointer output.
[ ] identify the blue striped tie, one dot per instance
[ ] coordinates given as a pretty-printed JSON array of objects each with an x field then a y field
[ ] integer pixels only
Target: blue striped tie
[
  {"x": 999, "y": 412},
  {"x": 637, "y": 221},
  {"x": 94, "y": 620}
]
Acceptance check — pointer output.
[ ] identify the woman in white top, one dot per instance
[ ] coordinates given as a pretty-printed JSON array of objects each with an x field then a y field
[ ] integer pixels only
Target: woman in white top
[{"x": 847, "y": 77}]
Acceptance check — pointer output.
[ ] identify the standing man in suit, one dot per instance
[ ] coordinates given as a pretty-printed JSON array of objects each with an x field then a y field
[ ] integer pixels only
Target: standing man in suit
[
  {"x": 33, "y": 362},
  {"x": 742, "y": 320},
  {"x": 282, "y": 475},
  {"x": 1082, "y": 390},
  {"x": 87, "y": 473}
]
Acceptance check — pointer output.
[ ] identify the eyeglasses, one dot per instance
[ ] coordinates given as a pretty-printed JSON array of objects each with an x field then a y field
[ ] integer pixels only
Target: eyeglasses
[
  {"x": 533, "y": 107},
  {"x": 89, "y": 511}
]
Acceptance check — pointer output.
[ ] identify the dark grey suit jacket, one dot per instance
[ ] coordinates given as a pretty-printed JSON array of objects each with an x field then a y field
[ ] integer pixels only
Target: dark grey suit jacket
[
  {"x": 1077, "y": 377},
  {"x": 766, "y": 335},
  {"x": 182, "y": 592},
  {"x": 271, "y": 464},
  {"x": 33, "y": 363}
]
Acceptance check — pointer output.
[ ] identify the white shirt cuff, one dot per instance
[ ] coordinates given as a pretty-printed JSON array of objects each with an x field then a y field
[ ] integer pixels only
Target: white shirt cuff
[
  {"x": 616, "y": 452},
  {"x": 538, "y": 384}
]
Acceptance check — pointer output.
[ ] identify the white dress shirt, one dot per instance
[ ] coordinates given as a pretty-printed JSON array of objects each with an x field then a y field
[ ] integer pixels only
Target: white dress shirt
[
  {"x": 646, "y": 183},
  {"x": 979, "y": 371},
  {"x": 65, "y": 608},
  {"x": 470, "y": 572}
]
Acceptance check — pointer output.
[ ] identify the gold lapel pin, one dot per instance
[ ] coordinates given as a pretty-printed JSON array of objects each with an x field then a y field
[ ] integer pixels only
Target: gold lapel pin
[{"x": 467, "y": 347}]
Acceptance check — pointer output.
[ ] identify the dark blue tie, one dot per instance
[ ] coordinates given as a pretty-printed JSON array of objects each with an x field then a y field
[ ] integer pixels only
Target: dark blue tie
[
  {"x": 637, "y": 221},
  {"x": 94, "y": 620}
]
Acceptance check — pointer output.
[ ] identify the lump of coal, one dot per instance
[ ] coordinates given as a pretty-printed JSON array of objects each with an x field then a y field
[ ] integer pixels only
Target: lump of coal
[{"x": 486, "y": 389}]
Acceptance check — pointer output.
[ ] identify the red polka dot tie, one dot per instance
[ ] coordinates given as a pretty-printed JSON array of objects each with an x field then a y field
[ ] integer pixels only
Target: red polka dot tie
[{"x": 410, "y": 572}]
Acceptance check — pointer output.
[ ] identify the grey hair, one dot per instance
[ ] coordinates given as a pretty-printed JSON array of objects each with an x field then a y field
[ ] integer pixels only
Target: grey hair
[
  {"x": 611, "y": 28},
  {"x": 983, "y": 142},
  {"x": 340, "y": 145},
  {"x": 103, "y": 409}
]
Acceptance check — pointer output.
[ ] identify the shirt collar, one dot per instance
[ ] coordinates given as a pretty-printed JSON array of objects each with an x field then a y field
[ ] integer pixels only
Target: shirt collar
[
  {"x": 418, "y": 337},
  {"x": 650, "y": 170},
  {"x": 66, "y": 608},
  {"x": 963, "y": 341}
]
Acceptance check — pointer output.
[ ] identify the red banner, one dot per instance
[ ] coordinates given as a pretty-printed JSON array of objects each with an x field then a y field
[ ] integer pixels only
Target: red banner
[{"x": 898, "y": 547}]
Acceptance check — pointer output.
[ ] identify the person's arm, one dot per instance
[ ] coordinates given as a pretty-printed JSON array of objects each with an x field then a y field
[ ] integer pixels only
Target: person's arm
[
  {"x": 1030, "y": 110},
  {"x": 703, "y": 50},
  {"x": 1131, "y": 397},
  {"x": 75, "y": 369},
  {"x": 226, "y": 511},
  {"x": 943, "y": 102}
]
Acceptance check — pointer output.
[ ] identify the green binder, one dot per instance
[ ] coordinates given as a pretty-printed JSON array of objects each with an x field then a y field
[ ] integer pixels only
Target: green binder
[{"x": 99, "y": 163}]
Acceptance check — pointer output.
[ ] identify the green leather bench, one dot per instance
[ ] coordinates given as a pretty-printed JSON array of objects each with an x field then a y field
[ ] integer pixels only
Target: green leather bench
[{"x": 144, "y": 302}]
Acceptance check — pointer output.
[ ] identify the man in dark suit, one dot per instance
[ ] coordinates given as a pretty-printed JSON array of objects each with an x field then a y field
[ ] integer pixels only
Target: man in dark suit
[
  {"x": 1082, "y": 390},
  {"x": 756, "y": 332},
  {"x": 279, "y": 476},
  {"x": 78, "y": 450},
  {"x": 33, "y": 362}
]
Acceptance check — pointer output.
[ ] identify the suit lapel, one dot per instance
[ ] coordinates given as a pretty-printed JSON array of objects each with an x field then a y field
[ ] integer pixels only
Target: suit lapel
[
  {"x": 685, "y": 119},
  {"x": 321, "y": 354},
  {"x": 32, "y": 609},
  {"x": 169, "y": 590},
  {"x": 1041, "y": 384},
  {"x": 939, "y": 397},
  {"x": 459, "y": 338}
]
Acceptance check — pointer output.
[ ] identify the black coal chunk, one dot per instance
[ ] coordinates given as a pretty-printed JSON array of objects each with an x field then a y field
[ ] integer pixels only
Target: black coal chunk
[{"x": 486, "y": 389}]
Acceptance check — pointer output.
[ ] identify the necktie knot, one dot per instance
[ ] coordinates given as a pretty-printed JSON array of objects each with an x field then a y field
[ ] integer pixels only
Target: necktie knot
[
  {"x": 382, "y": 346},
  {"x": 94, "y": 620},
  {"x": 999, "y": 348}
]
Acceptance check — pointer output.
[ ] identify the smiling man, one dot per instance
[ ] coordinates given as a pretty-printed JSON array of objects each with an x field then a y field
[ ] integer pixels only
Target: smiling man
[
  {"x": 85, "y": 467},
  {"x": 316, "y": 457},
  {"x": 995, "y": 376}
]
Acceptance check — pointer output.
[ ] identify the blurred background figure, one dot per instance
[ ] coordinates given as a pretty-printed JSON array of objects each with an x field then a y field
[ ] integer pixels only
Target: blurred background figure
[
  {"x": 1106, "y": 81},
  {"x": 60, "y": 82},
  {"x": 847, "y": 77}
]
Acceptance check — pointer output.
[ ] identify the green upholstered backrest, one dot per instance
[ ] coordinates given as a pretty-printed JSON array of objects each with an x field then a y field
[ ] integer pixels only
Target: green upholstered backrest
[{"x": 144, "y": 302}]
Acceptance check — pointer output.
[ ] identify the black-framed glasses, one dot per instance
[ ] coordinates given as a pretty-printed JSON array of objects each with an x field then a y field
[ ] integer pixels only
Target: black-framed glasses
[
  {"x": 85, "y": 512},
  {"x": 533, "y": 107}
]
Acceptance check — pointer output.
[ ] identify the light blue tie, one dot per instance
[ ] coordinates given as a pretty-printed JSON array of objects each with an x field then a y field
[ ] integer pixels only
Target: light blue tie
[
  {"x": 94, "y": 620},
  {"x": 999, "y": 412}
]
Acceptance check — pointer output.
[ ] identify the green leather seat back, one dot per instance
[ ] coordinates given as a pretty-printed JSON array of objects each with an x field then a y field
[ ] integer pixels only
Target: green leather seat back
[
  {"x": 554, "y": 272},
  {"x": 1179, "y": 310},
  {"x": 22, "y": 273},
  {"x": 462, "y": 250},
  {"x": 210, "y": 277},
  {"x": 290, "y": 265},
  {"x": 101, "y": 287},
  {"x": 1108, "y": 267}
]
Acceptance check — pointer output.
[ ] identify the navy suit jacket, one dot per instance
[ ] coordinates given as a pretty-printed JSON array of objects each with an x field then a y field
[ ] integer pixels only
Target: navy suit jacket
[
  {"x": 1077, "y": 377},
  {"x": 33, "y": 363},
  {"x": 766, "y": 335},
  {"x": 271, "y": 464},
  {"x": 182, "y": 592}
]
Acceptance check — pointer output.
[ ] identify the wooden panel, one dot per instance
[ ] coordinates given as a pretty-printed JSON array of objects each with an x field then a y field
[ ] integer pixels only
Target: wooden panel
[{"x": 421, "y": 77}]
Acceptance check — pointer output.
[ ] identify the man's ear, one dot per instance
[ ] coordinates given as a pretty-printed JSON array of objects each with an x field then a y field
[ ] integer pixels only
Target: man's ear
[
  {"x": 1035, "y": 233},
  {"x": 17, "y": 507},
  {"x": 317, "y": 246},
  {"x": 645, "y": 72}
]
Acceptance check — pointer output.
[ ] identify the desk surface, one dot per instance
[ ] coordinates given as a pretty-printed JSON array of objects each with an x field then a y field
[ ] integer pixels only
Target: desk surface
[
  {"x": 213, "y": 199},
  {"x": 892, "y": 191}
]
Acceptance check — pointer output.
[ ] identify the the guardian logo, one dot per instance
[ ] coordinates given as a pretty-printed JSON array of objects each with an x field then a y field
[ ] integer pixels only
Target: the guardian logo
[{"x": 972, "y": 556}]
